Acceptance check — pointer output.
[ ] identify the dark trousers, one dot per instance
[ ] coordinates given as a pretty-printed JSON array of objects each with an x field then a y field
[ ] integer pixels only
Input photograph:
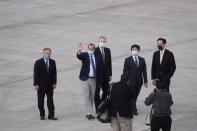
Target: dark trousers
[
  {"x": 161, "y": 122},
  {"x": 41, "y": 95},
  {"x": 105, "y": 90},
  {"x": 134, "y": 100},
  {"x": 168, "y": 86}
]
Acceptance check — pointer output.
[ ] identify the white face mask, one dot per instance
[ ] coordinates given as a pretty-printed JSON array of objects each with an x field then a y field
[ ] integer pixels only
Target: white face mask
[
  {"x": 90, "y": 52},
  {"x": 101, "y": 44},
  {"x": 134, "y": 52}
]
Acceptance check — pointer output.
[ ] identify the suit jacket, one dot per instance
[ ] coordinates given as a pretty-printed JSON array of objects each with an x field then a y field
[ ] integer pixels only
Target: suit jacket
[
  {"x": 45, "y": 79},
  {"x": 120, "y": 100},
  {"x": 106, "y": 68},
  {"x": 166, "y": 69},
  {"x": 85, "y": 68},
  {"x": 161, "y": 100},
  {"x": 136, "y": 76}
]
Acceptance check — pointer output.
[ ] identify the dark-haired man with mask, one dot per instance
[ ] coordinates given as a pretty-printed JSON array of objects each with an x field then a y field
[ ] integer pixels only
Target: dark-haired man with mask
[
  {"x": 45, "y": 79},
  {"x": 163, "y": 64},
  {"x": 135, "y": 68}
]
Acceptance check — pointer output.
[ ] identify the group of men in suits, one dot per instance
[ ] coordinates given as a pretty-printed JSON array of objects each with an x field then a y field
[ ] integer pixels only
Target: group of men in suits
[
  {"x": 163, "y": 68},
  {"x": 96, "y": 73}
]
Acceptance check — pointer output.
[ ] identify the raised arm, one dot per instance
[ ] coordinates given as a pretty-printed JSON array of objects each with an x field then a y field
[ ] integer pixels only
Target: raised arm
[
  {"x": 149, "y": 100},
  {"x": 80, "y": 55}
]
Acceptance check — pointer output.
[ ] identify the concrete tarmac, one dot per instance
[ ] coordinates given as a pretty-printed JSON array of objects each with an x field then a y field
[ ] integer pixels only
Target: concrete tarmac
[{"x": 27, "y": 26}]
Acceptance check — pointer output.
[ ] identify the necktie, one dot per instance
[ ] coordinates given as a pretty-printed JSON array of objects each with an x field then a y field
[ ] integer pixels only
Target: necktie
[
  {"x": 136, "y": 62},
  {"x": 93, "y": 64},
  {"x": 47, "y": 65},
  {"x": 103, "y": 54}
]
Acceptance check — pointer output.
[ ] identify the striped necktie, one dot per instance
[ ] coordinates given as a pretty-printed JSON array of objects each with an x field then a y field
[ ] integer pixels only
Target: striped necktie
[
  {"x": 93, "y": 64},
  {"x": 136, "y": 62},
  {"x": 103, "y": 54},
  {"x": 47, "y": 65}
]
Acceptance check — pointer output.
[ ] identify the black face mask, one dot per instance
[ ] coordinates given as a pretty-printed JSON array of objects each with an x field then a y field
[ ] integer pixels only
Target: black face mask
[{"x": 160, "y": 47}]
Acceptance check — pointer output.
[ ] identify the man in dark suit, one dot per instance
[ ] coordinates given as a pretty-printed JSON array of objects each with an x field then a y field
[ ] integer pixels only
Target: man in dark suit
[
  {"x": 163, "y": 64},
  {"x": 45, "y": 79},
  {"x": 120, "y": 105},
  {"x": 89, "y": 76},
  {"x": 106, "y": 70},
  {"x": 135, "y": 67}
]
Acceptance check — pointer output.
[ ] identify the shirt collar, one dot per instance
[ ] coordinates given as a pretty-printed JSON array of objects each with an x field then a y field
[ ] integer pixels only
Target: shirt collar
[
  {"x": 162, "y": 51},
  {"x": 45, "y": 60},
  {"x": 135, "y": 56},
  {"x": 91, "y": 54},
  {"x": 101, "y": 48},
  {"x": 160, "y": 90}
]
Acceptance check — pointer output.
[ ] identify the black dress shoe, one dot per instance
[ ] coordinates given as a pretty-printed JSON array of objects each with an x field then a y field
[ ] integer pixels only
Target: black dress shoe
[
  {"x": 90, "y": 117},
  {"x": 52, "y": 118},
  {"x": 135, "y": 113},
  {"x": 42, "y": 118}
]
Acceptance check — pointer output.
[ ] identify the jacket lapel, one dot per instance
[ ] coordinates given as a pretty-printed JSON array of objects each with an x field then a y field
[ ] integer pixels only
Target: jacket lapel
[
  {"x": 158, "y": 58},
  {"x": 100, "y": 53},
  {"x": 49, "y": 64},
  {"x": 88, "y": 60},
  {"x": 96, "y": 59},
  {"x": 132, "y": 62},
  {"x": 140, "y": 62},
  {"x": 44, "y": 65}
]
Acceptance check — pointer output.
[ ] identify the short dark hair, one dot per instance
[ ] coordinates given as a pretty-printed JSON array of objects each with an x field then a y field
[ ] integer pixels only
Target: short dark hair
[
  {"x": 91, "y": 44},
  {"x": 49, "y": 49},
  {"x": 162, "y": 39},
  {"x": 160, "y": 84},
  {"x": 124, "y": 78},
  {"x": 135, "y": 46}
]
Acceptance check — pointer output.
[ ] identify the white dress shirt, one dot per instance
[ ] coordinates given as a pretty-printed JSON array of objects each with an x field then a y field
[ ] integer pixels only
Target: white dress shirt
[
  {"x": 136, "y": 58},
  {"x": 91, "y": 73},
  {"x": 161, "y": 55},
  {"x": 47, "y": 62}
]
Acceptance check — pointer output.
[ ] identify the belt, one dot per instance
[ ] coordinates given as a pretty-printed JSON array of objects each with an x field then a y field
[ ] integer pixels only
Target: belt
[
  {"x": 91, "y": 77},
  {"x": 162, "y": 115}
]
